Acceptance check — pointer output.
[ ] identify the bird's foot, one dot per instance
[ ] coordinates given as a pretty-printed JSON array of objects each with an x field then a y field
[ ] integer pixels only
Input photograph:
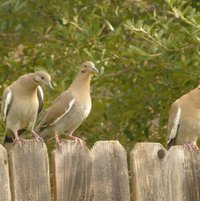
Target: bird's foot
[
  {"x": 191, "y": 146},
  {"x": 19, "y": 141},
  {"x": 59, "y": 145},
  {"x": 37, "y": 137},
  {"x": 76, "y": 139}
]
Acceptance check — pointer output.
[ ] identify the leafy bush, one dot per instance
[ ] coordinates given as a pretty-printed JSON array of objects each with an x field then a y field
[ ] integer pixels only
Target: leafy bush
[{"x": 147, "y": 53}]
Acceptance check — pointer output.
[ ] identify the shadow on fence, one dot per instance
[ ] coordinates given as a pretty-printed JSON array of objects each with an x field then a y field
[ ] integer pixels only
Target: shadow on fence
[{"x": 99, "y": 174}]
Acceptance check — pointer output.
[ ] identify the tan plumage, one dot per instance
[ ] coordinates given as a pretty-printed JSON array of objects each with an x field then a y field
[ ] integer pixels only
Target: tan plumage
[
  {"x": 184, "y": 119},
  {"x": 21, "y": 102},
  {"x": 70, "y": 108}
]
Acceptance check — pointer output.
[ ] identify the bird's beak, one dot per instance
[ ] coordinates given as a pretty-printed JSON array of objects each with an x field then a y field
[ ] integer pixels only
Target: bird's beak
[
  {"x": 95, "y": 70},
  {"x": 49, "y": 85}
]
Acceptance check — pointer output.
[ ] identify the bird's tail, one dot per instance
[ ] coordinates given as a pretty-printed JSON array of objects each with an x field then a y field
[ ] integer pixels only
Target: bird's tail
[
  {"x": 8, "y": 143},
  {"x": 171, "y": 143}
]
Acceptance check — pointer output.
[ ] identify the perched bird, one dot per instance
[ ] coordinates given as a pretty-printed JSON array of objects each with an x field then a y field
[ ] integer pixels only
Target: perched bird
[
  {"x": 70, "y": 108},
  {"x": 184, "y": 120},
  {"x": 21, "y": 103}
]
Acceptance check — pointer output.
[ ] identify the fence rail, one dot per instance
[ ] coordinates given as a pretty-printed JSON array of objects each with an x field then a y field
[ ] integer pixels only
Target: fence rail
[{"x": 99, "y": 174}]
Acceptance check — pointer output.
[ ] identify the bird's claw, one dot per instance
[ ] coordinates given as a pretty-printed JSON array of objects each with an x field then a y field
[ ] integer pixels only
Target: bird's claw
[
  {"x": 80, "y": 141},
  {"x": 19, "y": 141},
  {"x": 37, "y": 137},
  {"x": 59, "y": 146},
  {"x": 77, "y": 140},
  {"x": 191, "y": 147}
]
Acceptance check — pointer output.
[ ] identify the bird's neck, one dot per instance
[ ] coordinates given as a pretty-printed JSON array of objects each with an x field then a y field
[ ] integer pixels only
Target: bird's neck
[
  {"x": 195, "y": 96},
  {"x": 28, "y": 83},
  {"x": 82, "y": 82}
]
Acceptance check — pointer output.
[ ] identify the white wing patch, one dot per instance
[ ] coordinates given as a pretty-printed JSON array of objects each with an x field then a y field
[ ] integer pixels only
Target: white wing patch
[
  {"x": 86, "y": 111},
  {"x": 41, "y": 92},
  {"x": 66, "y": 111},
  {"x": 6, "y": 104},
  {"x": 175, "y": 124}
]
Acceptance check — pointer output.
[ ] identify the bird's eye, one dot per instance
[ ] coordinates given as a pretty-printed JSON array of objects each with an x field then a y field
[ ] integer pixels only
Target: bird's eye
[{"x": 42, "y": 78}]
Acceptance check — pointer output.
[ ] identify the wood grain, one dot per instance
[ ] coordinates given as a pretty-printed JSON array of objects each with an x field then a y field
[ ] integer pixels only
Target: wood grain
[
  {"x": 4, "y": 176},
  {"x": 110, "y": 172},
  {"x": 72, "y": 172},
  {"x": 162, "y": 175},
  {"x": 100, "y": 174},
  {"x": 146, "y": 172},
  {"x": 182, "y": 174},
  {"x": 29, "y": 172}
]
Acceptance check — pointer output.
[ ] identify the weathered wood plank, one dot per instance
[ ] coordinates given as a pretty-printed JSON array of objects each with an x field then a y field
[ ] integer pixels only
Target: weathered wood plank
[
  {"x": 72, "y": 172},
  {"x": 110, "y": 172},
  {"x": 4, "y": 176},
  {"x": 29, "y": 171},
  {"x": 182, "y": 173},
  {"x": 146, "y": 171},
  {"x": 165, "y": 176}
]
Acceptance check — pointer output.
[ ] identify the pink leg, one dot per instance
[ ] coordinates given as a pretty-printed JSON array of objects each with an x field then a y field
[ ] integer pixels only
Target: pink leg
[
  {"x": 36, "y": 136},
  {"x": 58, "y": 143},
  {"x": 18, "y": 139}
]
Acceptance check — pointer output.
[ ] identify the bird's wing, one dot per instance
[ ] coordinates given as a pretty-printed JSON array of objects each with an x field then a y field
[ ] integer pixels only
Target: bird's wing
[
  {"x": 40, "y": 96},
  {"x": 60, "y": 108},
  {"x": 6, "y": 102},
  {"x": 174, "y": 122}
]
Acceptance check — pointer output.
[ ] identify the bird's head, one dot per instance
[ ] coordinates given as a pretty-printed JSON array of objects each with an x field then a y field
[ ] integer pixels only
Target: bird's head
[
  {"x": 42, "y": 77},
  {"x": 88, "y": 66}
]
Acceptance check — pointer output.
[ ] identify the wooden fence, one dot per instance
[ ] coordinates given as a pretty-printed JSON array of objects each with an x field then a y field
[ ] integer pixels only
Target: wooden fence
[{"x": 99, "y": 174}]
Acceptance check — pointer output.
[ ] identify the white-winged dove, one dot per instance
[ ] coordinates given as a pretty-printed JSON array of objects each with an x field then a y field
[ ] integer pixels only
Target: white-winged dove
[
  {"x": 70, "y": 108},
  {"x": 184, "y": 120},
  {"x": 21, "y": 102}
]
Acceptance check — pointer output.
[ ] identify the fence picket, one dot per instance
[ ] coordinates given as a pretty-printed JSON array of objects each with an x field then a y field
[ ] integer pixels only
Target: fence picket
[
  {"x": 29, "y": 172},
  {"x": 99, "y": 174},
  {"x": 72, "y": 172},
  {"x": 4, "y": 176},
  {"x": 110, "y": 172},
  {"x": 162, "y": 175}
]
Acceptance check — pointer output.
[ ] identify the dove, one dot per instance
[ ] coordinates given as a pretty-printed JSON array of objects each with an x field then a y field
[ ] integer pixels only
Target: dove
[
  {"x": 71, "y": 108},
  {"x": 184, "y": 120},
  {"x": 21, "y": 103}
]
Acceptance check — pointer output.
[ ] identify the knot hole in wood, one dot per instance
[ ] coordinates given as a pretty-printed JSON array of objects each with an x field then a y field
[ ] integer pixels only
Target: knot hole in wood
[{"x": 161, "y": 153}]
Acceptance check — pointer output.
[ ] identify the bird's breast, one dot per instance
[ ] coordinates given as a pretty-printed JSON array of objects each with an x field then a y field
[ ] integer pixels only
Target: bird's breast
[{"x": 23, "y": 112}]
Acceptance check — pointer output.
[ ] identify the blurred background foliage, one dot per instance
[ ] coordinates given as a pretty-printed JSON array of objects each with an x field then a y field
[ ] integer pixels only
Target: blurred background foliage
[{"x": 147, "y": 51}]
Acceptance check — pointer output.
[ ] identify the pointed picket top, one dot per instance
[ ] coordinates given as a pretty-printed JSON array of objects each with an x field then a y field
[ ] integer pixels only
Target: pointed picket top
[
  {"x": 110, "y": 172},
  {"x": 182, "y": 173},
  {"x": 29, "y": 171},
  {"x": 72, "y": 172},
  {"x": 158, "y": 174}
]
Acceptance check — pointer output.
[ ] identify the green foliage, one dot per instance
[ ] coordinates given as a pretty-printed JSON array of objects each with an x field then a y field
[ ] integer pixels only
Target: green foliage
[{"x": 147, "y": 53}]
